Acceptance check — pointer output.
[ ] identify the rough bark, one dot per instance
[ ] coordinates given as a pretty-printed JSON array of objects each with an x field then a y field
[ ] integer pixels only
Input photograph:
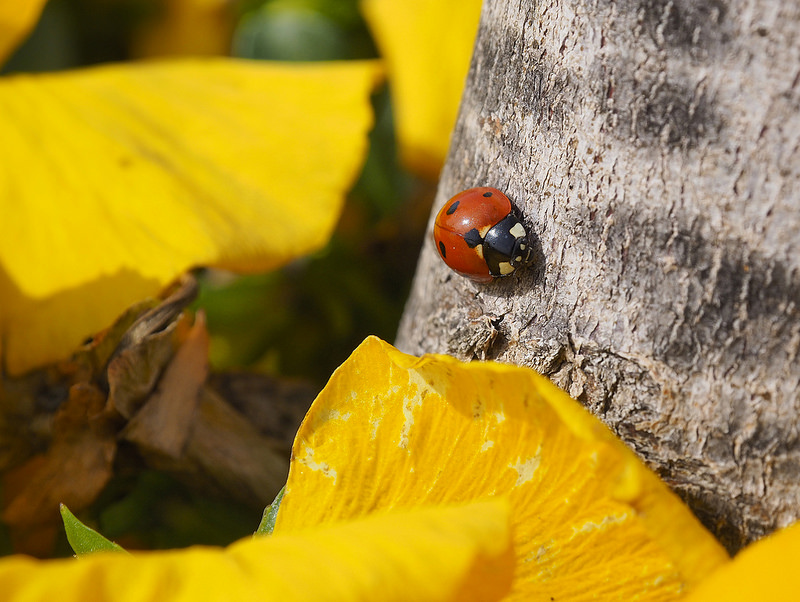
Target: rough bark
[{"x": 652, "y": 147}]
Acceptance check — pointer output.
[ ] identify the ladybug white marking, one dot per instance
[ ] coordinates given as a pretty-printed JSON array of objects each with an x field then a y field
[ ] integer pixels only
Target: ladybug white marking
[{"x": 518, "y": 231}]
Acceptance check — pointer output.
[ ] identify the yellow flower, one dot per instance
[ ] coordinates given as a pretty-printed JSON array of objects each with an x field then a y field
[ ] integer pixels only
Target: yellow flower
[
  {"x": 430, "y": 479},
  {"x": 457, "y": 553},
  {"x": 766, "y": 570},
  {"x": 427, "y": 47},
  {"x": 115, "y": 180},
  {"x": 391, "y": 432}
]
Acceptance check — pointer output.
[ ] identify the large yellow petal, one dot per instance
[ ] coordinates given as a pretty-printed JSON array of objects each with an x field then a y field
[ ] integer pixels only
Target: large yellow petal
[
  {"x": 17, "y": 18},
  {"x": 461, "y": 553},
  {"x": 393, "y": 431},
  {"x": 115, "y": 180},
  {"x": 427, "y": 45},
  {"x": 765, "y": 570}
]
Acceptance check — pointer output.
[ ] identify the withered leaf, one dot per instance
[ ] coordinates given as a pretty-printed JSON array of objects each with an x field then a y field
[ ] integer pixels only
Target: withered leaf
[
  {"x": 163, "y": 423},
  {"x": 75, "y": 468}
]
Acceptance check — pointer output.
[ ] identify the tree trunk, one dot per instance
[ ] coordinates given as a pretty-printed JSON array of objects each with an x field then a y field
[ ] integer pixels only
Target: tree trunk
[{"x": 651, "y": 146}]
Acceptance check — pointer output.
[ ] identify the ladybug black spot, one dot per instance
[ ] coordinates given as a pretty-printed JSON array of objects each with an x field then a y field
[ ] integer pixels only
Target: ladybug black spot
[
  {"x": 487, "y": 194},
  {"x": 452, "y": 208},
  {"x": 473, "y": 238},
  {"x": 442, "y": 250}
]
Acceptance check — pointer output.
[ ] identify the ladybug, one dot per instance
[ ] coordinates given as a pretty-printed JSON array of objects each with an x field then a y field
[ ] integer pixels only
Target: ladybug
[{"x": 479, "y": 236}]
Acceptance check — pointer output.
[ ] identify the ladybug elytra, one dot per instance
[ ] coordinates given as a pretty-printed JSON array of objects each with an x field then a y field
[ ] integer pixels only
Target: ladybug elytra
[{"x": 479, "y": 236}]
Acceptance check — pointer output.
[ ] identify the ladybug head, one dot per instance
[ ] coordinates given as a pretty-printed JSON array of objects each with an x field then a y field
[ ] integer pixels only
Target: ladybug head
[{"x": 522, "y": 255}]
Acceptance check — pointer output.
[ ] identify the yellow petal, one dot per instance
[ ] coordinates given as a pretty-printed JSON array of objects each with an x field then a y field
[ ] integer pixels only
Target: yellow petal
[
  {"x": 393, "y": 431},
  {"x": 434, "y": 554},
  {"x": 765, "y": 570},
  {"x": 17, "y": 18},
  {"x": 118, "y": 179},
  {"x": 427, "y": 46}
]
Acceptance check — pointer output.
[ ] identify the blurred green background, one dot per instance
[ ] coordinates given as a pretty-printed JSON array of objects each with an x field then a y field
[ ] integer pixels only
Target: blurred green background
[{"x": 300, "y": 322}]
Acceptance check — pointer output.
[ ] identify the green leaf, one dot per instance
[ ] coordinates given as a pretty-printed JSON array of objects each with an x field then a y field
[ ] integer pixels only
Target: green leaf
[
  {"x": 270, "y": 514},
  {"x": 83, "y": 539}
]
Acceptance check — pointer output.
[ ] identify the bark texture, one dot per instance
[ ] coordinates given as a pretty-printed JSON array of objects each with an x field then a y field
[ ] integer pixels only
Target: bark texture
[{"x": 652, "y": 147}]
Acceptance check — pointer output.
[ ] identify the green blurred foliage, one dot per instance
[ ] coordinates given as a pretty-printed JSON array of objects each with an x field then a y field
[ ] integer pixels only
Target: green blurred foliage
[
  {"x": 76, "y": 33},
  {"x": 301, "y": 321},
  {"x": 303, "y": 30},
  {"x": 6, "y": 546},
  {"x": 150, "y": 510}
]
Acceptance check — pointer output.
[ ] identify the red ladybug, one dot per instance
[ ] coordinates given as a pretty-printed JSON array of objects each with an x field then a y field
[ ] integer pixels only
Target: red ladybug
[{"x": 478, "y": 235}]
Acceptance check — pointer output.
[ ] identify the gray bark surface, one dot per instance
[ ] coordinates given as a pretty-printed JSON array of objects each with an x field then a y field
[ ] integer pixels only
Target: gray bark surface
[{"x": 653, "y": 149}]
